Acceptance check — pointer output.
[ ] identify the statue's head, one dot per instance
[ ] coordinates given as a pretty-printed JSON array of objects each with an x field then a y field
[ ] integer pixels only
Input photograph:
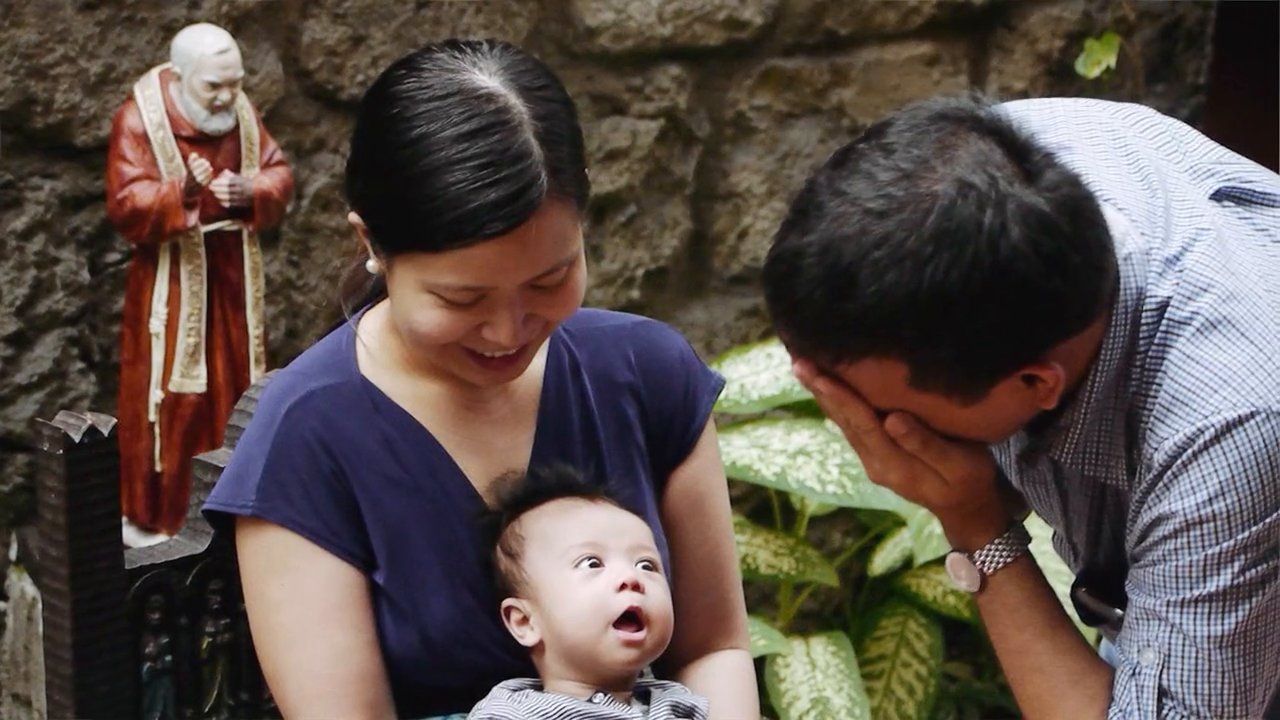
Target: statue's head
[{"x": 207, "y": 61}]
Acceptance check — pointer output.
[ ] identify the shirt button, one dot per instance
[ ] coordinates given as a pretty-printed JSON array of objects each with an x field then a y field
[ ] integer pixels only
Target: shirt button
[
  {"x": 1147, "y": 656},
  {"x": 597, "y": 698}
]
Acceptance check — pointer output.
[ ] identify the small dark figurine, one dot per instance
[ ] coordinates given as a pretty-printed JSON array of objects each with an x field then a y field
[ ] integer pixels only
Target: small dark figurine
[
  {"x": 158, "y": 695},
  {"x": 215, "y": 653}
]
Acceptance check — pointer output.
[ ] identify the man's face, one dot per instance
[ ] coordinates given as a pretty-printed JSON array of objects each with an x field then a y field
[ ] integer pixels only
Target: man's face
[
  {"x": 598, "y": 597},
  {"x": 214, "y": 81},
  {"x": 884, "y": 384}
]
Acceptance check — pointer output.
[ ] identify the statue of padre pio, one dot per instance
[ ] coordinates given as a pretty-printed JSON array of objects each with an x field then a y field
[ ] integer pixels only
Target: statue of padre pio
[{"x": 192, "y": 176}]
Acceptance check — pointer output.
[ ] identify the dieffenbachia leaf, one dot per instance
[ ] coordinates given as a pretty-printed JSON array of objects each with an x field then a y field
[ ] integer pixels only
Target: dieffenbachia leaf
[
  {"x": 1098, "y": 56},
  {"x": 1055, "y": 569},
  {"x": 766, "y": 554},
  {"x": 928, "y": 543},
  {"x": 757, "y": 378},
  {"x": 817, "y": 679},
  {"x": 806, "y": 456},
  {"x": 930, "y": 587},
  {"x": 901, "y": 659},
  {"x": 765, "y": 639},
  {"x": 812, "y": 508},
  {"x": 891, "y": 553}
]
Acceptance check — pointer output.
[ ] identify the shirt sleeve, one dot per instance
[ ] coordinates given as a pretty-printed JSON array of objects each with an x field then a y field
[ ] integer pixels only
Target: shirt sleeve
[
  {"x": 678, "y": 392},
  {"x": 1202, "y": 627},
  {"x": 286, "y": 470}
]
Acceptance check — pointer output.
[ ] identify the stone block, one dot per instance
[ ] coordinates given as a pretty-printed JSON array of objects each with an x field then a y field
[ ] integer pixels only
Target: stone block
[
  {"x": 344, "y": 44},
  {"x": 648, "y": 26}
]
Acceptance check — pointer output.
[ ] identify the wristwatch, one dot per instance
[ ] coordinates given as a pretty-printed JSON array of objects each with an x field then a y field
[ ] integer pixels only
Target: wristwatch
[{"x": 968, "y": 571}]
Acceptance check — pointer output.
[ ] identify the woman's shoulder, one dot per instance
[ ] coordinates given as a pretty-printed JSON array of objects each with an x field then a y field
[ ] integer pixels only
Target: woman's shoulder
[
  {"x": 635, "y": 351},
  {"x": 591, "y": 328},
  {"x": 321, "y": 380}
]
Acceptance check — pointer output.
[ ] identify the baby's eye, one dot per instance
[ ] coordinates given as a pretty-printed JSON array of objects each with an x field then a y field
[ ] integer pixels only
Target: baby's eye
[
  {"x": 591, "y": 562},
  {"x": 647, "y": 565}
]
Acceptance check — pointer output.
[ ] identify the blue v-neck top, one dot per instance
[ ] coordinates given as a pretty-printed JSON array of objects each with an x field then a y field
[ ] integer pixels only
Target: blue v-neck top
[{"x": 330, "y": 457}]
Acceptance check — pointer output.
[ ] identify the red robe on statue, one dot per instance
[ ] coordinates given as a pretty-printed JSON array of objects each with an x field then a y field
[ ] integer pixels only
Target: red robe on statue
[{"x": 148, "y": 206}]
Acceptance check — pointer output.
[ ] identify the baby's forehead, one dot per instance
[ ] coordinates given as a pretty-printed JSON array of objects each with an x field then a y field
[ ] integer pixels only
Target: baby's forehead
[{"x": 566, "y": 521}]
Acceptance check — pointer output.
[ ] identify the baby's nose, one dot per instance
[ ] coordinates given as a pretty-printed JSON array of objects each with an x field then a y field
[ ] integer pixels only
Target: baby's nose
[{"x": 631, "y": 582}]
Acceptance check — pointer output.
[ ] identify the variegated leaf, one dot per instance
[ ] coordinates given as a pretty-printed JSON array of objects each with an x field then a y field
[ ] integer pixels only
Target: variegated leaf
[
  {"x": 928, "y": 543},
  {"x": 817, "y": 680},
  {"x": 766, "y": 554},
  {"x": 757, "y": 378},
  {"x": 891, "y": 553},
  {"x": 765, "y": 639},
  {"x": 929, "y": 586},
  {"x": 812, "y": 508},
  {"x": 1055, "y": 569},
  {"x": 1099, "y": 55},
  {"x": 806, "y": 456},
  {"x": 901, "y": 658}
]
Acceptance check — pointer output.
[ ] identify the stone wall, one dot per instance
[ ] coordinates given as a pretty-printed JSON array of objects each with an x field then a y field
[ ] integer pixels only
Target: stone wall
[{"x": 701, "y": 118}]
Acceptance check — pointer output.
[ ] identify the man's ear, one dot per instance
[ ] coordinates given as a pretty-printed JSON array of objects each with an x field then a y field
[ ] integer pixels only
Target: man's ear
[
  {"x": 1047, "y": 382},
  {"x": 362, "y": 231},
  {"x": 518, "y": 616}
]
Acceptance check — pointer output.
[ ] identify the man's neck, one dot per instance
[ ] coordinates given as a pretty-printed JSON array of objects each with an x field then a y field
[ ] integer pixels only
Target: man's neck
[{"x": 1077, "y": 356}]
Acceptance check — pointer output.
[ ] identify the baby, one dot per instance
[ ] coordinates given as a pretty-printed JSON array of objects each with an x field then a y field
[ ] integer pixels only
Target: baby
[{"x": 585, "y": 591}]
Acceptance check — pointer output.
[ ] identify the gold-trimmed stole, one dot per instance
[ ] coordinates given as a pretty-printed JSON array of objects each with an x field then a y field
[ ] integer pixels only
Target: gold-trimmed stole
[{"x": 190, "y": 372}]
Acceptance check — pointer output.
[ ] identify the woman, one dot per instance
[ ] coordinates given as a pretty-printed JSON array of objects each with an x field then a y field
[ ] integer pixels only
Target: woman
[{"x": 355, "y": 489}]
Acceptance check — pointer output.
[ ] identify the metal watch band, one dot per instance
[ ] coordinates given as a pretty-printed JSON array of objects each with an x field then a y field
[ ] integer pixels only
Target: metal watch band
[{"x": 1010, "y": 546}]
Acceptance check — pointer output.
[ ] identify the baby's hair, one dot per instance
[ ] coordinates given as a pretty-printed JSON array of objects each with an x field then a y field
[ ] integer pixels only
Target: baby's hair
[{"x": 516, "y": 493}]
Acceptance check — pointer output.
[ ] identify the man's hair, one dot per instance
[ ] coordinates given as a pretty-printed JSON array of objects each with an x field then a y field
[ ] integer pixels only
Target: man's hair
[
  {"x": 944, "y": 238},
  {"x": 515, "y": 494},
  {"x": 196, "y": 41}
]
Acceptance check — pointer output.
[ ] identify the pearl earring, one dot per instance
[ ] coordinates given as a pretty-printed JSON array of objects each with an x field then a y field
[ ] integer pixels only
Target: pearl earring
[{"x": 373, "y": 266}]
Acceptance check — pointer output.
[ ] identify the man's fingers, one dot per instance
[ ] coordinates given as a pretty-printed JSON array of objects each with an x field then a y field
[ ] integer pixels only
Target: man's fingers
[
  {"x": 840, "y": 403},
  {"x": 950, "y": 459}
]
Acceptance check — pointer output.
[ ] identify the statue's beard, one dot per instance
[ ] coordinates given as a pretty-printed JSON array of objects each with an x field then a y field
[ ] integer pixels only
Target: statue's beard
[{"x": 210, "y": 123}]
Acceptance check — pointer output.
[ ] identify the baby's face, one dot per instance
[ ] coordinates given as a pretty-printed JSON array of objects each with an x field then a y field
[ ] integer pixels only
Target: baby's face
[{"x": 600, "y": 600}]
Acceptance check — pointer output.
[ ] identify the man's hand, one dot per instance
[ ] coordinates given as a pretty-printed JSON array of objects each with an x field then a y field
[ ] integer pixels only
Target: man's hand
[
  {"x": 955, "y": 480},
  {"x": 232, "y": 190},
  {"x": 199, "y": 175}
]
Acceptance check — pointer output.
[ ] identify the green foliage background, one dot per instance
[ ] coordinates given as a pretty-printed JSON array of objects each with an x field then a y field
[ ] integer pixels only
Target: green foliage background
[{"x": 852, "y": 614}]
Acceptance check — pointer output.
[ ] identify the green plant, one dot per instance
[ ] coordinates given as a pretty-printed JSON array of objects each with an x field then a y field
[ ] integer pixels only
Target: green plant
[{"x": 857, "y": 618}]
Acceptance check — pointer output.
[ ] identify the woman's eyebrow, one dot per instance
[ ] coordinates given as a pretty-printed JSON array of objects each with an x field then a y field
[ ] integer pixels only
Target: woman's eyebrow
[
  {"x": 482, "y": 288},
  {"x": 558, "y": 266}
]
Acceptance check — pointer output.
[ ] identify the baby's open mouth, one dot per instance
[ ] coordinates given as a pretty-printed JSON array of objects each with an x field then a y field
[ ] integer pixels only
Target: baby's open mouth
[{"x": 630, "y": 621}]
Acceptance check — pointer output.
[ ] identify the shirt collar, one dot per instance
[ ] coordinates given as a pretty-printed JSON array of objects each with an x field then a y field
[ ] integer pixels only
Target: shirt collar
[{"x": 1090, "y": 434}]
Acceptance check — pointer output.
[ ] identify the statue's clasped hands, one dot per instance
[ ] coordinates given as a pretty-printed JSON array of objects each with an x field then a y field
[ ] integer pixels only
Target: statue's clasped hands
[
  {"x": 231, "y": 189},
  {"x": 953, "y": 479}
]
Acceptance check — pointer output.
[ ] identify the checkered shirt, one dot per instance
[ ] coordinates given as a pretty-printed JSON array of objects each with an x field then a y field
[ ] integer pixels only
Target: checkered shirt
[
  {"x": 523, "y": 699},
  {"x": 1165, "y": 467}
]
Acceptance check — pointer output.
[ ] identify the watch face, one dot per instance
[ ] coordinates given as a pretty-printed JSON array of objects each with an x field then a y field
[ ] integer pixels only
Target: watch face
[{"x": 963, "y": 572}]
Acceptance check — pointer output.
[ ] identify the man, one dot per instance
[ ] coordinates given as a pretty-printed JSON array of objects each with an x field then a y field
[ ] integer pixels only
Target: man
[
  {"x": 1079, "y": 300},
  {"x": 190, "y": 195}
]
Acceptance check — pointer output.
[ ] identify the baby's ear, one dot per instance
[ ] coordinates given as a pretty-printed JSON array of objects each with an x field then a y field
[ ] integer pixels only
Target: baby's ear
[{"x": 518, "y": 616}]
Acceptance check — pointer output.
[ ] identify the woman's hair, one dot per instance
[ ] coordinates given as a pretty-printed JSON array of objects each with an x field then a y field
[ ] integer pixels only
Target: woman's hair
[{"x": 455, "y": 143}]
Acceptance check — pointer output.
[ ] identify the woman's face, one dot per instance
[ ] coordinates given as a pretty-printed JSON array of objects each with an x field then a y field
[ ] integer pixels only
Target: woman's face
[{"x": 479, "y": 314}]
